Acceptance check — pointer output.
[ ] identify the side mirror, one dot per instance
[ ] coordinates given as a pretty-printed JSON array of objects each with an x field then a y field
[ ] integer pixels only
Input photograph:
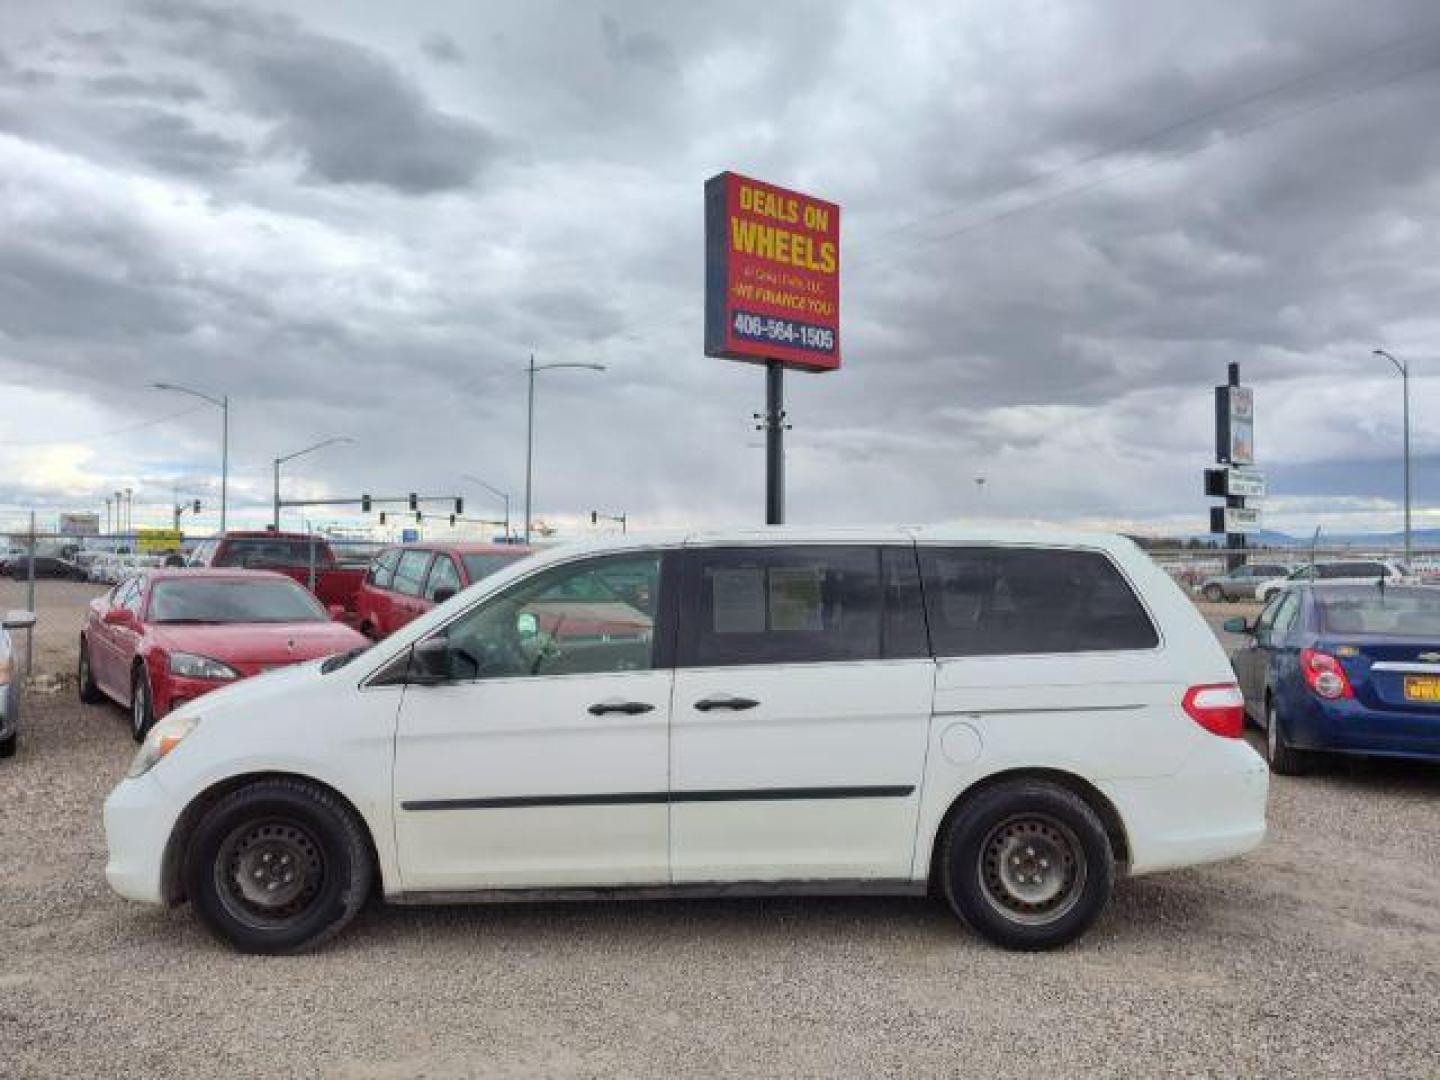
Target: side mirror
[
  {"x": 445, "y": 592},
  {"x": 430, "y": 662},
  {"x": 119, "y": 616},
  {"x": 19, "y": 620},
  {"x": 337, "y": 612},
  {"x": 1238, "y": 625}
]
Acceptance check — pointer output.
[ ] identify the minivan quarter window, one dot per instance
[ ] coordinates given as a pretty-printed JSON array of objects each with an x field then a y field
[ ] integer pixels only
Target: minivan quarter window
[{"x": 1019, "y": 601}]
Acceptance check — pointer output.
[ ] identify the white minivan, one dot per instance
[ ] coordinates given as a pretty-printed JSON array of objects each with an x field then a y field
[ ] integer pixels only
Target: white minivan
[{"x": 1006, "y": 720}]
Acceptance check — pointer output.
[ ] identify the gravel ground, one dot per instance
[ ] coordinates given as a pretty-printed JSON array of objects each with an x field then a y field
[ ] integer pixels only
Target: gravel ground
[{"x": 1319, "y": 955}]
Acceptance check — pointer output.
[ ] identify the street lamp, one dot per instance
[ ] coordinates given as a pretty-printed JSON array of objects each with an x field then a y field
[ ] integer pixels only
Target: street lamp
[
  {"x": 494, "y": 491},
  {"x": 530, "y": 426},
  {"x": 1404, "y": 370},
  {"x": 223, "y": 404},
  {"x": 298, "y": 453}
]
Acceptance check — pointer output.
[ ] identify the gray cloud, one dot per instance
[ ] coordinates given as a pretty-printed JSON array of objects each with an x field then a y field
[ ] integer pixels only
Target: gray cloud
[
  {"x": 349, "y": 113},
  {"x": 442, "y": 48}
]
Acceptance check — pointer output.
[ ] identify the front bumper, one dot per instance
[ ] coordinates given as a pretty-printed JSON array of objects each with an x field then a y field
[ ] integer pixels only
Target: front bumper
[
  {"x": 139, "y": 818},
  {"x": 1212, "y": 809}
]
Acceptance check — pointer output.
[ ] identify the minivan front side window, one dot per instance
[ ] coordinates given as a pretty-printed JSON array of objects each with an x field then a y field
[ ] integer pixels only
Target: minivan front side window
[
  {"x": 583, "y": 618},
  {"x": 1019, "y": 601}
]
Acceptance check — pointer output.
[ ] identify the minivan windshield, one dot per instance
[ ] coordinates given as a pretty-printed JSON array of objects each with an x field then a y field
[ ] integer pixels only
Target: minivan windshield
[{"x": 232, "y": 601}]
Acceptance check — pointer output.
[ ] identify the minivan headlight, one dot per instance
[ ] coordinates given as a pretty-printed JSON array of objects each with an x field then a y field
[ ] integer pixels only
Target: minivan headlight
[
  {"x": 190, "y": 666},
  {"x": 164, "y": 737}
]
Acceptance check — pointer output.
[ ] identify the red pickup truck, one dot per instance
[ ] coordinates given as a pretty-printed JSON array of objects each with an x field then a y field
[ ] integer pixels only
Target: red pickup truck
[{"x": 291, "y": 554}]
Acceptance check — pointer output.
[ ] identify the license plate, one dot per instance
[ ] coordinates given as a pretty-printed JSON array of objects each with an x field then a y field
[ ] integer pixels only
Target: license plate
[{"x": 1422, "y": 688}]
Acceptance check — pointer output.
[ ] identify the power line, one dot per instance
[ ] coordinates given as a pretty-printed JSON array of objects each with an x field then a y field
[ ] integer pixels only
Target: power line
[{"x": 86, "y": 440}]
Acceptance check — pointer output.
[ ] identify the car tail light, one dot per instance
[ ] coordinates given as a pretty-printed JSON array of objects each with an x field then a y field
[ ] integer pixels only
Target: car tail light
[
  {"x": 1217, "y": 707},
  {"x": 1324, "y": 675}
]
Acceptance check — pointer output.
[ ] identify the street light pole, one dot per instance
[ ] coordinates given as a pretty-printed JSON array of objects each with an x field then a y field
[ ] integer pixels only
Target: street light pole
[
  {"x": 1404, "y": 370},
  {"x": 530, "y": 426},
  {"x": 494, "y": 491},
  {"x": 223, "y": 404},
  {"x": 298, "y": 453}
]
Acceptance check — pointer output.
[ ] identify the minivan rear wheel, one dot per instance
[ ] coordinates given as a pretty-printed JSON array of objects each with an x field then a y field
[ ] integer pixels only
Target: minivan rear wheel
[
  {"x": 1027, "y": 864},
  {"x": 278, "y": 866}
]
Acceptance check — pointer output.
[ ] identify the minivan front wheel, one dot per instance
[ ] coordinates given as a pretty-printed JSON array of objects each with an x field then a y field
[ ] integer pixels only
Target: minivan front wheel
[
  {"x": 279, "y": 866},
  {"x": 1027, "y": 864}
]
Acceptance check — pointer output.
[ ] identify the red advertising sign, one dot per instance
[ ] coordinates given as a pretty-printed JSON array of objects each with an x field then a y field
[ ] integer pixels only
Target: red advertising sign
[{"x": 772, "y": 274}]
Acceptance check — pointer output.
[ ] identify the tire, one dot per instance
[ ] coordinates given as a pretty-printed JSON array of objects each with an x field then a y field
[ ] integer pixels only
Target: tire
[
  {"x": 1053, "y": 836},
  {"x": 142, "y": 706},
  {"x": 1214, "y": 593},
  {"x": 1284, "y": 759},
  {"x": 90, "y": 693},
  {"x": 238, "y": 867}
]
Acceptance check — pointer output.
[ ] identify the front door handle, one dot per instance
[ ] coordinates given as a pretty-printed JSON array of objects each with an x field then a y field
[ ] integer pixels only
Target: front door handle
[
  {"x": 726, "y": 701},
  {"x": 615, "y": 705}
]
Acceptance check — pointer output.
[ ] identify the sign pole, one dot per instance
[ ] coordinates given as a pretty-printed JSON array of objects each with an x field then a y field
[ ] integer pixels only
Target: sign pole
[
  {"x": 1235, "y": 542},
  {"x": 774, "y": 443}
]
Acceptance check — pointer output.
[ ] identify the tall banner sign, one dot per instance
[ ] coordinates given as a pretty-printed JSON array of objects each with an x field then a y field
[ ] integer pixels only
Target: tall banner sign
[{"x": 772, "y": 274}]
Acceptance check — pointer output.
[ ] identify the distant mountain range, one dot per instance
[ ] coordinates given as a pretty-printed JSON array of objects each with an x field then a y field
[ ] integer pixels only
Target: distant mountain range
[{"x": 1420, "y": 538}]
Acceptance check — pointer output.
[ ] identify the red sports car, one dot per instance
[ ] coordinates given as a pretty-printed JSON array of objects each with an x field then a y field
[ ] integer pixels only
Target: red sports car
[{"x": 158, "y": 639}]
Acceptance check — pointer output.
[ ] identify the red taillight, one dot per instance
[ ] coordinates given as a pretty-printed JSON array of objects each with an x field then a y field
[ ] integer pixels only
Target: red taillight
[
  {"x": 1324, "y": 675},
  {"x": 1217, "y": 707}
]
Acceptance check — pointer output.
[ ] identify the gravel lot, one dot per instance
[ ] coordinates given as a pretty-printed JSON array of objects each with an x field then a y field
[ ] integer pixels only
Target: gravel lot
[{"x": 1318, "y": 955}]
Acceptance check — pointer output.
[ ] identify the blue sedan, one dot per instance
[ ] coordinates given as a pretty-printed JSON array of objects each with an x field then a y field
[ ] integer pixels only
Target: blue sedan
[{"x": 1343, "y": 669}]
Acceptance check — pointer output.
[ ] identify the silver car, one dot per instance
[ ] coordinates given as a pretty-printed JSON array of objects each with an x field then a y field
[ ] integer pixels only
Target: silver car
[
  {"x": 10, "y": 679},
  {"x": 1241, "y": 583}
]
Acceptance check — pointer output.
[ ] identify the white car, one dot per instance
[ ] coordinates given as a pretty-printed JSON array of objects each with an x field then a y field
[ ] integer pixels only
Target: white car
[
  {"x": 1346, "y": 572},
  {"x": 777, "y": 710}
]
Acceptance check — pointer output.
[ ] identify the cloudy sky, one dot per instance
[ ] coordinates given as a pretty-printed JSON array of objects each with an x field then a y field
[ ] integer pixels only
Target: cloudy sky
[{"x": 1062, "y": 220}]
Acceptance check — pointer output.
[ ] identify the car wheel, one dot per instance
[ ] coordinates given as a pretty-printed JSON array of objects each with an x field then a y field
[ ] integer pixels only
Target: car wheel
[
  {"x": 1214, "y": 593},
  {"x": 142, "y": 709},
  {"x": 277, "y": 867},
  {"x": 1282, "y": 757},
  {"x": 1028, "y": 865},
  {"x": 85, "y": 678}
]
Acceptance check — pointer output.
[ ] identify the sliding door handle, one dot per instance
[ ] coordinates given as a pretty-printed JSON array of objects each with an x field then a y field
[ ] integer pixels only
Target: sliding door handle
[
  {"x": 726, "y": 701},
  {"x": 629, "y": 708}
]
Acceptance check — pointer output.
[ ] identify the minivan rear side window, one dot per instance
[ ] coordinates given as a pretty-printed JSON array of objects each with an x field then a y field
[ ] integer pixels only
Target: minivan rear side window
[
  {"x": 799, "y": 604},
  {"x": 1019, "y": 601}
]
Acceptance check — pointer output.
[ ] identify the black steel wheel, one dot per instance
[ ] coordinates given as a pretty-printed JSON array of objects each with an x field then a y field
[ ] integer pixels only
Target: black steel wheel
[
  {"x": 278, "y": 866},
  {"x": 1027, "y": 864}
]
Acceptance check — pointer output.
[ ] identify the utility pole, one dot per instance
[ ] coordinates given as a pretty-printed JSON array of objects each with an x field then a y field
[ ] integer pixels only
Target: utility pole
[
  {"x": 223, "y": 404},
  {"x": 1404, "y": 369}
]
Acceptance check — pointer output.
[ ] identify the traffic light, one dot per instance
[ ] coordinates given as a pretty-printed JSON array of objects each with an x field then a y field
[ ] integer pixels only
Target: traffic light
[
  {"x": 594, "y": 517},
  {"x": 414, "y": 501},
  {"x": 459, "y": 507},
  {"x": 382, "y": 517},
  {"x": 197, "y": 506},
  {"x": 419, "y": 517},
  {"x": 452, "y": 518},
  {"x": 364, "y": 504}
]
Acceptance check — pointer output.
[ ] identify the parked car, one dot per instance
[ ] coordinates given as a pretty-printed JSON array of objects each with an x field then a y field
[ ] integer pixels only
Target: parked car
[
  {"x": 10, "y": 681},
  {"x": 46, "y": 566},
  {"x": 158, "y": 640},
  {"x": 291, "y": 554},
  {"x": 1353, "y": 571},
  {"x": 1343, "y": 669},
  {"x": 1049, "y": 711},
  {"x": 409, "y": 580},
  {"x": 1241, "y": 583}
]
